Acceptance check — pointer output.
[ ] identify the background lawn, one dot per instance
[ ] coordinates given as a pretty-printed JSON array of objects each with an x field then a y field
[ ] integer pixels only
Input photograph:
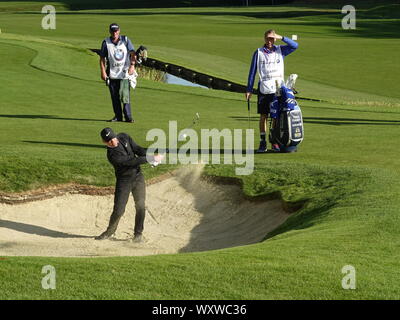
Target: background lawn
[{"x": 53, "y": 105}]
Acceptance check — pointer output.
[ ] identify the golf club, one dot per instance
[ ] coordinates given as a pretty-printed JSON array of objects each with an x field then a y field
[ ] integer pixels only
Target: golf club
[
  {"x": 194, "y": 121},
  {"x": 248, "y": 113}
]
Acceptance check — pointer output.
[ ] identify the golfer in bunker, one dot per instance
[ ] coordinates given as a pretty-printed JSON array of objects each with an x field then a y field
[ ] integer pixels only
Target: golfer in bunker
[
  {"x": 126, "y": 157},
  {"x": 268, "y": 62}
]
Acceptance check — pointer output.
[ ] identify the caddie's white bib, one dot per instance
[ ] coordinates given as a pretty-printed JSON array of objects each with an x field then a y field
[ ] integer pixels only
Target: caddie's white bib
[
  {"x": 270, "y": 68},
  {"x": 118, "y": 59}
]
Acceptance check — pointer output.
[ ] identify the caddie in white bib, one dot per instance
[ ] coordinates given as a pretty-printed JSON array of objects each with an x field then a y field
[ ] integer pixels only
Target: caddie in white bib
[
  {"x": 118, "y": 59},
  {"x": 270, "y": 68},
  {"x": 117, "y": 69}
]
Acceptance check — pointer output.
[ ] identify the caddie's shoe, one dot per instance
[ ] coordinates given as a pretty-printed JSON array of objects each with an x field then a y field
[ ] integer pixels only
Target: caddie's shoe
[
  {"x": 105, "y": 235},
  {"x": 263, "y": 147},
  {"x": 138, "y": 238},
  {"x": 113, "y": 120},
  {"x": 275, "y": 147},
  {"x": 130, "y": 120}
]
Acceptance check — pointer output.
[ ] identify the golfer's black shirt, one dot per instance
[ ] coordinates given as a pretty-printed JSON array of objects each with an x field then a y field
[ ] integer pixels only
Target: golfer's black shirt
[{"x": 126, "y": 157}]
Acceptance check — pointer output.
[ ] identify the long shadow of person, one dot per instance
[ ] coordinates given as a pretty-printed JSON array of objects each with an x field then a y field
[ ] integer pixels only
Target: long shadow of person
[{"x": 41, "y": 231}]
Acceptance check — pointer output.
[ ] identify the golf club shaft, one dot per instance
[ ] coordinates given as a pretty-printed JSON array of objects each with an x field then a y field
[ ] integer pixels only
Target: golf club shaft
[{"x": 248, "y": 113}]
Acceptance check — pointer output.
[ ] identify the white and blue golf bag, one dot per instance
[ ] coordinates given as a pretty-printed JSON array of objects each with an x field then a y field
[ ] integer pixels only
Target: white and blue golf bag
[{"x": 288, "y": 129}]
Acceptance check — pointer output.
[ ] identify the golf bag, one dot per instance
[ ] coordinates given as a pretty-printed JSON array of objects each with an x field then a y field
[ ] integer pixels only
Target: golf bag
[
  {"x": 287, "y": 126},
  {"x": 141, "y": 55}
]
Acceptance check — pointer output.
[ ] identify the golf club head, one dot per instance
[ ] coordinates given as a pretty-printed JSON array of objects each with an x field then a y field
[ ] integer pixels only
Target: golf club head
[
  {"x": 291, "y": 81},
  {"x": 196, "y": 118}
]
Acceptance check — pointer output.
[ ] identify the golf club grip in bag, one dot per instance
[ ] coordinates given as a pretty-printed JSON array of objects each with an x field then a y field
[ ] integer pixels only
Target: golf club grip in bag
[{"x": 288, "y": 130}]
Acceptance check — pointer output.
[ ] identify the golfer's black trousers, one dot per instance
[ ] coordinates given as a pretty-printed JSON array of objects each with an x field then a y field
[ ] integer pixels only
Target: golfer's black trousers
[
  {"x": 125, "y": 186},
  {"x": 116, "y": 101}
]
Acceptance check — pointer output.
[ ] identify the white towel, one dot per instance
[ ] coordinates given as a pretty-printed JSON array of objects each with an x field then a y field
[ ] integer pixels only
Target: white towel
[{"x": 132, "y": 79}]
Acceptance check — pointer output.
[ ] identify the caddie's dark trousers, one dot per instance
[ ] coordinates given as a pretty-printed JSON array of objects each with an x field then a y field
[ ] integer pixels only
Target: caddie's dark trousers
[
  {"x": 123, "y": 188},
  {"x": 116, "y": 101}
]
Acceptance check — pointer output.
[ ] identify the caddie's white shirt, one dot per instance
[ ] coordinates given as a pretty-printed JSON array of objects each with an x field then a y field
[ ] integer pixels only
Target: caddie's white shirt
[
  {"x": 118, "y": 59},
  {"x": 270, "y": 69}
]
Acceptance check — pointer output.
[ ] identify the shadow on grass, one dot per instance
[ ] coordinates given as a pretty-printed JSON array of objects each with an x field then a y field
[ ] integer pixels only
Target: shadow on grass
[
  {"x": 365, "y": 29},
  {"x": 170, "y": 151},
  {"x": 333, "y": 121},
  {"x": 61, "y": 74},
  {"x": 350, "y": 121},
  {"x": 251, "y": 14},
  {"x": 68, "y": 144},
  {"x": 44, "y": 116},
  {"x": 301, "y": 221},
  {"x": 352, "y": 110},
  {"x": 41, "y": 231},
  {"x": 191, "y": 4}
]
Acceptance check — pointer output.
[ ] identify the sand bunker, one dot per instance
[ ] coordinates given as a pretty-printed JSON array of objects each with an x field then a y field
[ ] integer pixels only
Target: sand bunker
[{"x": 184, "y": 213}]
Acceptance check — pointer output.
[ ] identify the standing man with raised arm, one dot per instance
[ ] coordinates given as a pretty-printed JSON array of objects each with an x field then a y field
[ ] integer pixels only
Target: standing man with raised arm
[
  {"x": 268, "y": 62},
  {"x": 119, "y": 53}
]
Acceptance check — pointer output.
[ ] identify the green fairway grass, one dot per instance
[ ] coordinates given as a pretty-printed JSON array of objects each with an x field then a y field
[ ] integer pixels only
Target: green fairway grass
[{"x": 346, "y": 175}]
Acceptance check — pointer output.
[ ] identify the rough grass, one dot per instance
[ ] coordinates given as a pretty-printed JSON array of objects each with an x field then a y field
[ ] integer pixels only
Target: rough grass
[{"x": 345, "y": 173}]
